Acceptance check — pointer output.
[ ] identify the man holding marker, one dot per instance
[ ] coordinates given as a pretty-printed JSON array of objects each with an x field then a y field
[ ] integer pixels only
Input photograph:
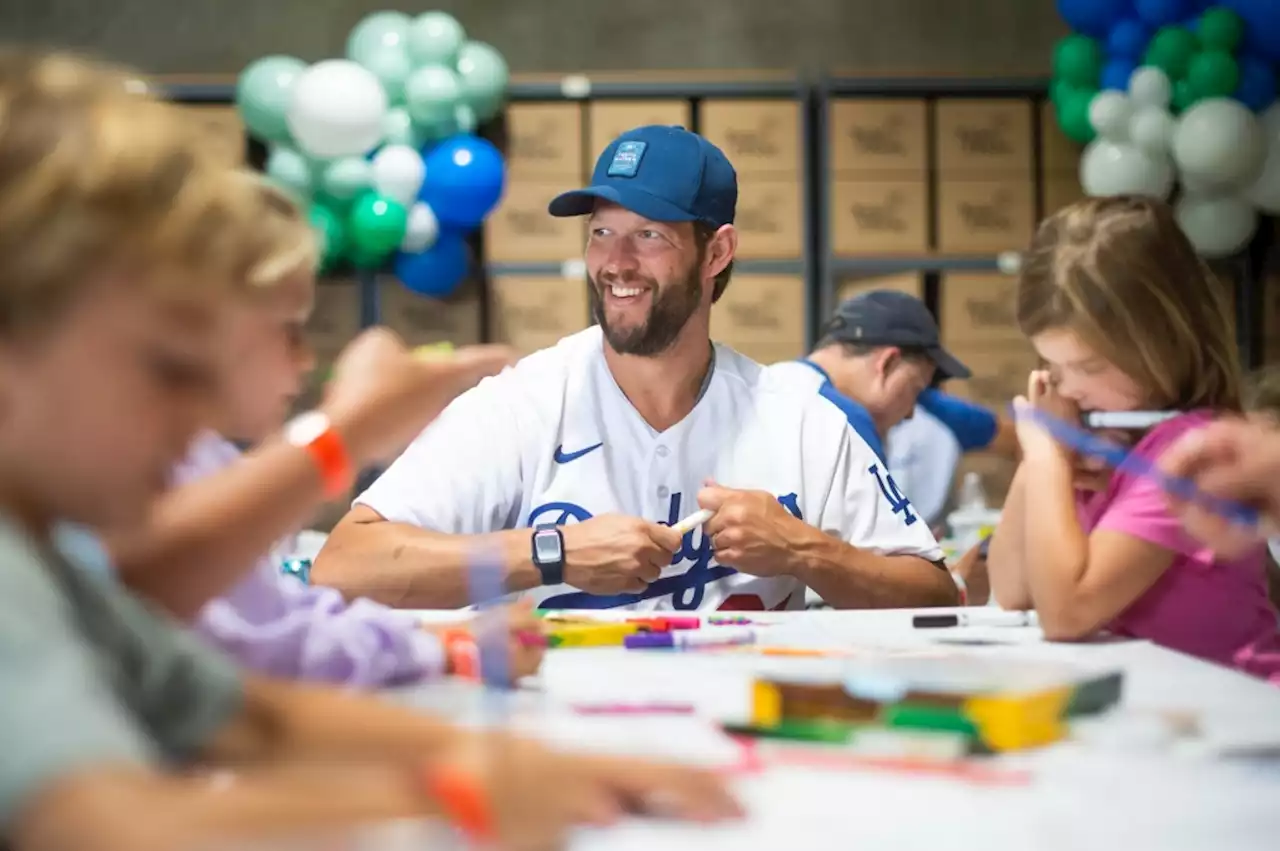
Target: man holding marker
[{"x": 576, "y": 464}]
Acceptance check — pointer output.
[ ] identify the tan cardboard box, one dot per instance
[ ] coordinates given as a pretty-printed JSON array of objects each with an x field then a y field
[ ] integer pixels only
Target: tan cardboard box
[
  {"x": 762, "y": 316},
  {"x": 979, "y": 309},
  {"x": 760, "y": 137},
  {"x": 985, "y": 216},
  {"x": 770, "y": 218},
  {"x": 876, "y": 138},
  {"x": 544, "y": 141},
  {"x": 879, "y": 217},
  {"x": 521, "y": 229},
  {"x": 532, "y": 313},
  {"x": 984, "y": 138},
  {"x": 609, "y": 119},
  {"x": 420, "y": 320}
]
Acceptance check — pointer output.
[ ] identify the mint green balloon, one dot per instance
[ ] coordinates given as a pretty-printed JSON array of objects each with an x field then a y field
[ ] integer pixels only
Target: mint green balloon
[
  {"x": 398, "y": 128},
  {"x": 431, "y": 93},
  {"x": 435, "y": 39},
  {"x": 376, "y": 31},
  {"x": 263, "y": 93},
  {"x": 289, "y": 170},
  {"x": 484, "y": 76},
  {"x": 345, "y": 178},
  {"x": 464, "y": 118},
  {"x": 391, "y": 65}
]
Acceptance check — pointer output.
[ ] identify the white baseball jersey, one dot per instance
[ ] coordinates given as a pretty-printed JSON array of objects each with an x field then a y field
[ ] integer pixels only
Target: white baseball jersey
[
  {"x": 924, "y": 455},
  {"x": 554, "y": 440}
]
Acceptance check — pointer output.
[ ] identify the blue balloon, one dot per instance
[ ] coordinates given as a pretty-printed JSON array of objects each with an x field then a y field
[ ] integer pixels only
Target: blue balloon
[
  {"x": 1093, "y": 17},
  {"x": 1261, "y": 25},
  {"x": 1128, "y": 39},
  {"x": 1116, "y": 74},
  {"x": 465, "y": 179},
  {"x": 1257, "y": 89},
  {"x": 437, "y": 271},
  {"x": 1159, "y": 13}
]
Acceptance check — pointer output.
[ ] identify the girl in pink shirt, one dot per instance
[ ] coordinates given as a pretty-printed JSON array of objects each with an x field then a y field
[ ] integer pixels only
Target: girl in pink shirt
[{"x": 1126, "y": 317}]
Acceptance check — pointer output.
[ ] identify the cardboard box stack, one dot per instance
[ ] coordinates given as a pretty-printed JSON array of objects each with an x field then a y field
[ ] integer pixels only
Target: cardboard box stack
[
  {"x": 544, "y": 158},
  {"x": 1059, "y": 164},
  {"x": 763, "y": 316}
]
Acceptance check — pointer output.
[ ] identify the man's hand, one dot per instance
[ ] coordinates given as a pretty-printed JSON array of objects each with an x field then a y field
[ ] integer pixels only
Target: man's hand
[
  {"x": 751, "y": 531},
  {"x": 537, "y": 795},
  {"x": 381, "y": 395},
  {"x": 1232, "y": 460},
  {"x": 616, "y": 554}
]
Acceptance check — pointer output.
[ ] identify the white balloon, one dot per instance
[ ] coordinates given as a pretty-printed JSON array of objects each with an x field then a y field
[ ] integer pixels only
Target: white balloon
[
  {"x": 1119, "y": 168},
  {"x": 337, "y": 109},
  {"x": 1151, "y": 130},
  {"x": 1149, "y": 86},
  {"x": 398, "y": 171},
  {"x": 1219, "y": 142},
  {"x": 1270, "y": 119},
  {"x": 1109, "y": 113},
  {"x": 1218, "y": 226},
  {"x": 422, "y": 230},
  {"x": 1265, "y": 191}
]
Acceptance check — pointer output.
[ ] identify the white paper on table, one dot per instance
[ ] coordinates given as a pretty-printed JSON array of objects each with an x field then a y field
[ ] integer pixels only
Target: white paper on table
[{"x": 679, "y": 738}]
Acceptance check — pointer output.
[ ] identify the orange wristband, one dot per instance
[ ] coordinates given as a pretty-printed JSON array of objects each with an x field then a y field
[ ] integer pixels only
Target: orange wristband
[
  {"x": 463, "y": 801},
  {"x": 462, "y": 653},
  {"x": 314, "y": 433}
]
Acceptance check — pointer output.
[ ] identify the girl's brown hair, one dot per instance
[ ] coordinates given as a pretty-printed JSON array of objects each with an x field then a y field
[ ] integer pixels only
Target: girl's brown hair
[{"x": 1121, "y": 275}]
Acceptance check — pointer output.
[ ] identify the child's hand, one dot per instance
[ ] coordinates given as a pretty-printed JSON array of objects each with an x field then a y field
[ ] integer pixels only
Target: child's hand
[
  {"x": 521, "y": 628},
  {"x": 536, "y": 795},
  {"x": 1035, "y": 441},
  {"x": 381, "y": 395}
]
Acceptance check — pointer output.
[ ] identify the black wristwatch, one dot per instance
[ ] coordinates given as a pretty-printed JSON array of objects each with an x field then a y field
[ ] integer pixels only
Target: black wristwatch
[{"x": 548, "y": 553}]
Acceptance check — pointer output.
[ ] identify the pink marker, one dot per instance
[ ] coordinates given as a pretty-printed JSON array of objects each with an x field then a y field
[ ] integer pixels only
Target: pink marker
[{"x": 635, "y": 709}]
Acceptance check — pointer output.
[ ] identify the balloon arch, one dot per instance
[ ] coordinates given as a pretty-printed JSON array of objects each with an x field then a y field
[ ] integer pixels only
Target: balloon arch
[
  {"x": 1176, "y": 95},
  {"x": 380, "y": 145}
]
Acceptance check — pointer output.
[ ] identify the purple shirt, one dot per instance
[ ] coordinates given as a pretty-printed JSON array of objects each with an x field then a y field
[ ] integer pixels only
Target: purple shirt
[{"x": 275, "y": 624}]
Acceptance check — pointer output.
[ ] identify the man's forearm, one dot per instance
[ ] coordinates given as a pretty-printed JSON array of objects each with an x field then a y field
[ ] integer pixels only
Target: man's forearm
[
  {"x": 410, "y": 568},
  {"x": 204, "y": 536},
  {"x": 849, "y": 578}
]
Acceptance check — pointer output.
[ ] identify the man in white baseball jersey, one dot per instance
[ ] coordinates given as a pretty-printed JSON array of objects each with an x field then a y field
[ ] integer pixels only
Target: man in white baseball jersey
[{"x": 570, "y": 468}]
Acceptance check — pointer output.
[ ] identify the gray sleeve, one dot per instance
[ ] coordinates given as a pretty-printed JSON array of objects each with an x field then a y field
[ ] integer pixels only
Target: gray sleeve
[
  {"x": 58, "y": 713},
  {"x": 186, "y": 691}
]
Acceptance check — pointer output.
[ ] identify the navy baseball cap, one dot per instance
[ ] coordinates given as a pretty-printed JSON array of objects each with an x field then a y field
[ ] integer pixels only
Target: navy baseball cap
[
  {"x": 666, "y": 174},
  {"x": 892, "y": 318}
]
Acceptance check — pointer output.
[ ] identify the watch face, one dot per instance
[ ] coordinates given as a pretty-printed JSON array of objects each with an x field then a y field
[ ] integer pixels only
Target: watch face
[{"x": 546, "y": 546}]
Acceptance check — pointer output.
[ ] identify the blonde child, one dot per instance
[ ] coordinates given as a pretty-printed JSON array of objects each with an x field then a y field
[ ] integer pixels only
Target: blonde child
[
  {"x": 122, "y": 247},
  {"x": 196, "y": 554},
  {"x": 1126, "y": 316}
]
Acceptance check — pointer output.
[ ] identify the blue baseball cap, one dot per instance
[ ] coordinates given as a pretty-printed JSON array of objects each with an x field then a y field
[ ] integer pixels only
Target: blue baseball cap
[
  {"x": 666, "y": 174},
  {"x": 893, "y": 318}
]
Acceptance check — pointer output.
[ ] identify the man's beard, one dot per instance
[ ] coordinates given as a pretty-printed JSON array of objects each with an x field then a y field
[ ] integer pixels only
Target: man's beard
[{"x": 669, "y": 312}]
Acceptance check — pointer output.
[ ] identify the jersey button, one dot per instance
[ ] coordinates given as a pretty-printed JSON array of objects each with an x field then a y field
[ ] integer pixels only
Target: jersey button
[
  {"x": 662, "y": 451},
  {"x": 664, "y": 492}
]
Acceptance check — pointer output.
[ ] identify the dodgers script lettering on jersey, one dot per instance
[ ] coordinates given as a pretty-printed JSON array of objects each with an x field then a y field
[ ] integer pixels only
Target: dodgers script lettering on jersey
[{"x": 553, "y": 440}]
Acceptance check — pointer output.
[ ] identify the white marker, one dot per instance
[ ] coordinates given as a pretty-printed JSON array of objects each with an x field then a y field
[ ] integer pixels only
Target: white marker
[
  {"x": 693, "y": 521},
  {"x": 1136, "y": 420}
]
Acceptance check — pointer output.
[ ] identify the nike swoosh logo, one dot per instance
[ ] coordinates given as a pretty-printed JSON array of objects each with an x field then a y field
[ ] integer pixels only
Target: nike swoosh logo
[{"x": 562, "y": 457}]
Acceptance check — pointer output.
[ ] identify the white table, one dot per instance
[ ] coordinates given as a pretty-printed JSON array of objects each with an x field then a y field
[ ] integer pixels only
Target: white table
[{"x": 1118, "y": 789}]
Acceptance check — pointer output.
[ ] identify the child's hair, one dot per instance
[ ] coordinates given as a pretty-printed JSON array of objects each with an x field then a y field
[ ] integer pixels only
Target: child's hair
[
  {"x": 98, "y": 177},
  {"x": 291, "y": 244},
  {"x": 1262, "y": 392},
  {"x": 1121, "y": 275}
]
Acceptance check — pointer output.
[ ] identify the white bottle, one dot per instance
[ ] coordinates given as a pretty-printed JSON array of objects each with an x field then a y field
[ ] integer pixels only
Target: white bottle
[{"x": 973, "y": 519}]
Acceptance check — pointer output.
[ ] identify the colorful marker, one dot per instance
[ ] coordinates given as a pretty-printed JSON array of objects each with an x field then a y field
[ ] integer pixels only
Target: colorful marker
[
  {"x": 593, "y": 635},
  {"x": 719, "y": 620},
  {"x": 634, "y": 709},
  {"x": 666, "y": 624},
  {"x": 688, "y": 640}
]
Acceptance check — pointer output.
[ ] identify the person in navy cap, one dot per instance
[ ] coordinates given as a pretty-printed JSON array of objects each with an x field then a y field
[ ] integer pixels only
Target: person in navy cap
[{"x": 635, "y": 464}]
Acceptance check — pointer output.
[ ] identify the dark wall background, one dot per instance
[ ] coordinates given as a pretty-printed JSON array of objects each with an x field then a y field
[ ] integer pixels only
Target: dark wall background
[{"x": 977, "y": 37}]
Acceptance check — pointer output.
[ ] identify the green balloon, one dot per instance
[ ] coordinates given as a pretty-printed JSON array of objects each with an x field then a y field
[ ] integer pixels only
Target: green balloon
[
  {"x": 263, "y": 93},
  {"x": 375, "y": 228},
  {"x": 435, "y": 38},
  {"x": 1220, "y": 29},
  {"x": 1077, "y": 60},
  {"x": 1073, "y": 115},
  {"x": 431, "y": 93},
  {"x": 1171, "y": 50},
  {"x": 398, "y": 128},
  {"x": 289, "y": 170},
  {"x": 1059, "y": 89},
  {"x": 484, "y": 77},
  {"x": 1213, "y": 74},
  {"x": 331, "y": 233},
  {"x": 1184, "y": 96},
  {"x": 345, "y": 178},
  {"x": 376, "y": 31}
]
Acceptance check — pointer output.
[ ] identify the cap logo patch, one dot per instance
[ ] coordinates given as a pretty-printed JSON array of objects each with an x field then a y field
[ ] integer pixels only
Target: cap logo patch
[{"x": 626, "y": 160}]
